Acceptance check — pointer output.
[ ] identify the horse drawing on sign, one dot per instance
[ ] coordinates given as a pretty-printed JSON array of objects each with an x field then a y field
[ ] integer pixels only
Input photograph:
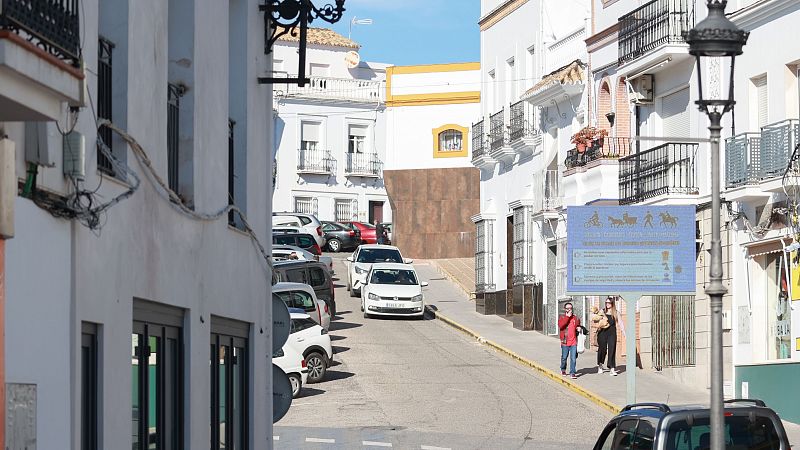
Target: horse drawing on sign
[
  {"x": 667, "y": 219},
  {"x": 629, "y": 220},
  {"x": 616, "y": 223}
]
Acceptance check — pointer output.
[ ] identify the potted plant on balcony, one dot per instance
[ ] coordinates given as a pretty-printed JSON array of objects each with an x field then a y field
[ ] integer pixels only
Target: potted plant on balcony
[{"x": 588, "y": 137}]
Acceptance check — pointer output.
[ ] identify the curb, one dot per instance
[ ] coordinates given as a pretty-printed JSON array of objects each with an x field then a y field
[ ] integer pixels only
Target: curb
[{"x": 583, "y": 392}]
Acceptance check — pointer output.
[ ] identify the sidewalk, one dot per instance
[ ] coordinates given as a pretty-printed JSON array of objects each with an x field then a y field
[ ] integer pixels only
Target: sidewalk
[{"x": 449, "y": 303}]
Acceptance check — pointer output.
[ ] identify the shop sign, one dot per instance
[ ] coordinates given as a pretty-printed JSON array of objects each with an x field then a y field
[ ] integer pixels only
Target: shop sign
[{"x": 642, "y": 249}]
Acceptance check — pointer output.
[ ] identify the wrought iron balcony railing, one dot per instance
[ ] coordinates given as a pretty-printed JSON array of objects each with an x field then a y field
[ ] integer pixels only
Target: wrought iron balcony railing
[
  {"x": 652, "y": 25},
  {"x": 754, "y": 157},
  {"x": 742, "y": 160},
  {"x": 315, "y": 161},
  {"x": 497, "y": 128},
  {"x": 666, "y": 169},
  {"x": 478, "y": 140},
  {"x": 364, "y": 164},
  {"x": 547, "y": 190},
  {"x": 606, "y": 148},
  {"x": 521, "y": 124},
  {"x": 52, "y": 25},
  {"x": 344, "y": 89}
]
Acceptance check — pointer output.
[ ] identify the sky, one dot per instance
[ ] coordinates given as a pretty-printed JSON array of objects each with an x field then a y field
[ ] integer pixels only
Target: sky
[{"x": 410, "y": 32}]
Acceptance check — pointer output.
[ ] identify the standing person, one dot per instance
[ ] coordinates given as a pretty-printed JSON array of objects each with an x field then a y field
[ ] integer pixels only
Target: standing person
[
  {"x": 568, "y": 325},
  {"x": 379, "y": 233},
  {"x": 607, "y": 339}
]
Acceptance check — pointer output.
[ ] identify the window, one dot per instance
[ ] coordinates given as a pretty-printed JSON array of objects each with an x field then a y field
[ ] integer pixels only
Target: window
[
  {"x": 672, "y": 330},
  {"x": 157, "y": 389},
  {"x": 739, "y": 432},
  {"x": 484, "y": 254},
  {"x": 623, "y": 439},
  {"x": 357, "y": 139},
  {"x": 317, "y": 277},
  {"x": 306, "y": 205},
  {"x": 302, "y": 324},
  {"x": 761, "y": 100},
  {"x": 104, "y": 105},
  {"x": 675, "y": 113},
  {"x": 645, "y": 435},
  {"x": 89, "y": 376},
  {"x": 173, "y": 134},
  {"x": 450, "y": 141},
  {"x": 296, "y": 276},
  {"x": 607, "y": 438},
  {"x": 309, "y": 136},
  {"x": 344, "y": 209},
  {"x": 518, "y": 245},
  {"x": 229, "y": 383},
  {"x": 778, "y": 310},
  {"x": 298, "y": 299}
]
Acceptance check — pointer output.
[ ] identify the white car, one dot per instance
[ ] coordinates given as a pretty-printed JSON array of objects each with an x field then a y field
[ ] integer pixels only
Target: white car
[
  {"x": 362, "y": 259},
  {"x": 314, "y": 343},
  {"x": 393, "y": 290},
  {"x": 301, "y": 297},
  {"x": 308, "y": 222},
  {"x": 293, "y": 364}
]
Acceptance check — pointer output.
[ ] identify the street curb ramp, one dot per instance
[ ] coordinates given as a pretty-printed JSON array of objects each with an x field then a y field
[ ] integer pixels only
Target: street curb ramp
[{"x": 583, "y": 392}]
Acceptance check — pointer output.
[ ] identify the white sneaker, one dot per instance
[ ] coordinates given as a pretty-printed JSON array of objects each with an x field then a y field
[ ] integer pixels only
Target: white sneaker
[
  {"x": 614, "y": 372},
  {"x": 600, "y": 369}
]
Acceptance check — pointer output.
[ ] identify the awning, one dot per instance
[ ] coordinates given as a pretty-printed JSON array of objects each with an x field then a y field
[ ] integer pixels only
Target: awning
[{"x": 766, "y": 247}]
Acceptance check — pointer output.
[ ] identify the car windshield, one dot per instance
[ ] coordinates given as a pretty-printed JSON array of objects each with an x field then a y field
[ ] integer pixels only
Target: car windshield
[
  {"x": 739, "y": 433},
  {"x": 372, "y": 255},
  {"x": 393, "y": 276}
]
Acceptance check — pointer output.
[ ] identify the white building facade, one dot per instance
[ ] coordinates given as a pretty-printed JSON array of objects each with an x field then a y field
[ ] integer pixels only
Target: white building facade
[
  {"x": 126, "y": 278},
  {"x": 330, "y": 143}
]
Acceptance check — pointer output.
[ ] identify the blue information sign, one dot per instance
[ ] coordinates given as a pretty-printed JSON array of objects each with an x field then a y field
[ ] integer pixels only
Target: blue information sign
[{"x": 643, "y": 249}]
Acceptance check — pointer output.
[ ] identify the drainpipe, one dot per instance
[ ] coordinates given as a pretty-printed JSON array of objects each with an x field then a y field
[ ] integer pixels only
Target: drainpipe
[{"x": 8, "y": 191}]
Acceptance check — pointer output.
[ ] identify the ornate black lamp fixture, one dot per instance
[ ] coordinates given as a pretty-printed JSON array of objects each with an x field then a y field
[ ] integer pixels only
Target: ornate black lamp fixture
[
  {"x": 283, "y": 17},
  {"x": 716, "y": 37}
]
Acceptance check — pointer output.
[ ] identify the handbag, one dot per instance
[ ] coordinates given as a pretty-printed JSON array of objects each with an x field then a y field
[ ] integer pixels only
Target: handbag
[{"x": 581, "y": 343}]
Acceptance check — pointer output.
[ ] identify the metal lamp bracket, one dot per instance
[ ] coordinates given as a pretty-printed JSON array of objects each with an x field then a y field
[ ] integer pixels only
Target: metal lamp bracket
[{"x": 282, "y": 17}]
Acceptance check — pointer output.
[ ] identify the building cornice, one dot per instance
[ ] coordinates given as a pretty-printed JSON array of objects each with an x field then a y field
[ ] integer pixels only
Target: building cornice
[
  {"x": 749, "y": 17},
  {"x": 603, "y": 38},
  {"x": 499, "y": 13},
  {"x": 483, "y": 216},
  {"x": 441, "y": 98}
]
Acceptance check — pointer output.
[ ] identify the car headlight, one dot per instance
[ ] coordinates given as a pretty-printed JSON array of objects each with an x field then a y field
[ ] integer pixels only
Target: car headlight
[
  {"x": 360, "y": 270},
  {"x": 373, "y": 296},
  {"x": 416, "y": 298}
]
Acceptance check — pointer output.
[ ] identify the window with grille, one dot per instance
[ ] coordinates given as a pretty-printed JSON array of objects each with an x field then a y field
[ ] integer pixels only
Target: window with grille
[
  {"x": 483, "y": 256},
  {"x": 672, "y": 328},
  {"x": 343, "y": 210},
  {"x": 451, "y": 141},
  {"x": 104, "y": 105},
  {"x": 229, "y": 384},
  {"x": 305, "y": 205},
  {"x": 357, "y": 139},
  {"x": 173, "y": 134},
  {"x": 561, "y": 268},
  {"x": 518, "y": 244}
]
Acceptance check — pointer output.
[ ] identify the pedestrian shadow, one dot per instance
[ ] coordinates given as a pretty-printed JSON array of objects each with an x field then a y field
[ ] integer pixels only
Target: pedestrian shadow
[{"x": 339, "y": 314}]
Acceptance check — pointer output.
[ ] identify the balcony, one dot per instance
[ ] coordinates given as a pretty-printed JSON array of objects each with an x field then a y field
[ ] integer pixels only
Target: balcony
[
  {"x": 754, "y": 158},
  {"x": 663, "y": 170},
  {"x": 655, "y": 30},
  {"x": 480, "y": 148},
  {"x": 498, "y": 138},
  {"x": 315, "y": 161},
  {"x": 365, "y": 165},
  {"x": 336, "y": 89},
  {"x": 610, "y": 148},
  {"x": 547, "y": 195},
  {"x": 523, "y": 136},
  {"x": 39, "y": 59}
]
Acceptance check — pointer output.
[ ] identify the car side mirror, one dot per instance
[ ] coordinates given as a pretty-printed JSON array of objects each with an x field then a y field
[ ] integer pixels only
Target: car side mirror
[
  {"x": 407, "y": 260},
  {"x": 424, "y": 283},
  {"x": 350, "y": 258}
]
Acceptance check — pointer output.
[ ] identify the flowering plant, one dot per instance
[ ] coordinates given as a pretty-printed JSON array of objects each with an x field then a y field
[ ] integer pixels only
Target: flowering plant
[{"x": 587, "y": 135}]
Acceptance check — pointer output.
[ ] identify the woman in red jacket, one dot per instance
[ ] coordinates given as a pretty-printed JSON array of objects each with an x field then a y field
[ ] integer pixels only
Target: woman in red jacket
[{"x": 568, "y": 325}]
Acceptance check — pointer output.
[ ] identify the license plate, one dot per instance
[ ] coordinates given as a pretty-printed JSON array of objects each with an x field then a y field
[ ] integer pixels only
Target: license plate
[{"x": 394, "y": 305}]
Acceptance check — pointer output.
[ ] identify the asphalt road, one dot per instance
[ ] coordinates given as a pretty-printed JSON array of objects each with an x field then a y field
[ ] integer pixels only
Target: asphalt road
[{"x": 420, "y": 384}]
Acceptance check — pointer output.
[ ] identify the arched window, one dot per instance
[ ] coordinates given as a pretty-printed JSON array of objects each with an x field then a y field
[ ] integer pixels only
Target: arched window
[{"x": 450, "y": 141}]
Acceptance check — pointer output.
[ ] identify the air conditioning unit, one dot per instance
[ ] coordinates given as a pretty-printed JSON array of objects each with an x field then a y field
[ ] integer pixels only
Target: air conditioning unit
[{"x": 642, "y": 88}]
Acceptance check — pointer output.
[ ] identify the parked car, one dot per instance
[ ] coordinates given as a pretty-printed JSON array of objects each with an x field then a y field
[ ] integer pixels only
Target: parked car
[
  {"x": 749, "y": 424},
  {"x": 301, "y": 297},
  {"x": 287, "y": 229},
  {"x": 309, "y": 222},
  {"x": 302, "y": 240},
  {"x": 367, "y": 231},
  {"x": 285, "y": 252},
  {"x": 392, "y": 289},
  {"x": 314, "y": 343},
  {"x": 362, "y": 259},
  {"x": 293, "y": 365},
  {"x": 339, "y": 237},
  {"x": 312, "y": 273}
]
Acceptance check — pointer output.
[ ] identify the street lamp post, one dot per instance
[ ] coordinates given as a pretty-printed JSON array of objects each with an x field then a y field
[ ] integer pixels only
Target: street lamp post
[{"x": 716, "y": 37}]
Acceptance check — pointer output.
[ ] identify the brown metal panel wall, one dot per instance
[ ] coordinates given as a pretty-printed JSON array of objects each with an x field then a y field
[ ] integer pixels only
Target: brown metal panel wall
[{"x": 431, "y": 210}]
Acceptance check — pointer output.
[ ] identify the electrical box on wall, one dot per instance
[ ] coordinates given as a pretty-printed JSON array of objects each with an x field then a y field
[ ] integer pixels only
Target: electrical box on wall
[
  {"x": 642, "y": 88},
  {"x": 41, "y": 139},
  {"x": 74, "y": 150}
]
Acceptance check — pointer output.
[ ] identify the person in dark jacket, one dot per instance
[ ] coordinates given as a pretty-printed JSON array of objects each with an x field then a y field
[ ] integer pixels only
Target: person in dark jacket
[
  {"x": 380, "y": 233},
  {"x": 607, "y": 339},
  {"x": 568, "y": 325}
]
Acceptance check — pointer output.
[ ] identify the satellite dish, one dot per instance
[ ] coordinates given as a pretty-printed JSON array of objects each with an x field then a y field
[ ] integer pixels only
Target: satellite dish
[
  {"x": 281, "y": 323},
  {"x": 281, "y": 393},
  {"x": 352, "y": 58}
]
